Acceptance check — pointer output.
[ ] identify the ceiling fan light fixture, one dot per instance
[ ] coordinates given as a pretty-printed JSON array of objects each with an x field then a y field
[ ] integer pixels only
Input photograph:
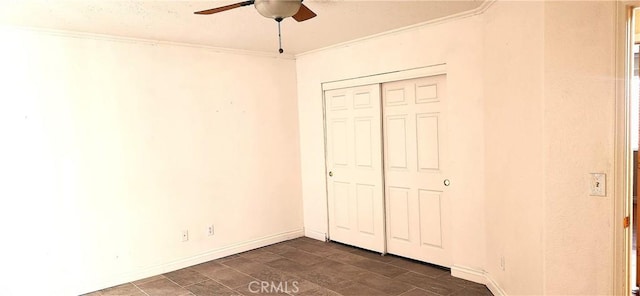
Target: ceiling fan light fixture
[{"x": 277, "y": 9}]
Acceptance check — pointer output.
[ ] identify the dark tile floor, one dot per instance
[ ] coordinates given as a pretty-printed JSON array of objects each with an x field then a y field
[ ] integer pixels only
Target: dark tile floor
[{"x": 303, "y": 266}]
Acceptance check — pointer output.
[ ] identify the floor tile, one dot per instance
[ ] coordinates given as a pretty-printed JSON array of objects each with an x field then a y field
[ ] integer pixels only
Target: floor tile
[
  {"x": 231, "y": 277},
  {"x": 122, "y": 290},
  {"x": 358, "y": 289},
  {"x": 305, "y": 287},
  {"x": 163, "y": 287},
  {"x": 418, "y": 292},
  {"x": 241, "y": 264},
  {"x": 429, "y": 270},
  {"x": 326, "y": 278},
  {"x": 210, "y": 288},
  {"x": 382, "y": 283},
  {"x": 429, "y": 284},
  {"x": 149, "y": 279},
  {"x": 379, "y": 267},
  {"x": 346, "y": 258},
  {"x": 185, "y": 276},
  {"x": 269, "y": 274},
  {"x": 286, "y": 265},
  {"x": 208, "y": 267},
  {"x": 302, "y": 257}
]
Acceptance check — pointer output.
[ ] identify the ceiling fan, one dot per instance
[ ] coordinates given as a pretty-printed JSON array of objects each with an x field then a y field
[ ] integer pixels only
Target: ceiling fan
[{"x": 275, "y": 9}]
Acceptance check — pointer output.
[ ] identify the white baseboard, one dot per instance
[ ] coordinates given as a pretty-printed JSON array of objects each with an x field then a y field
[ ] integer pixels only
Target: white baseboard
[
  {"x": 319, "y": 235},
  {"x": 478, "y": 276},
  {"x": 190, "y": 261},
  {"x": 469, "y": 274},
  {"x": 494, "y": 287}
]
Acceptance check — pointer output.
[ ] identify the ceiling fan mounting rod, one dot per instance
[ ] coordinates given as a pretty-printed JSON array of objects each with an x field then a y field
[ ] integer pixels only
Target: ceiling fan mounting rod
[{"x": 279, "y": 20}]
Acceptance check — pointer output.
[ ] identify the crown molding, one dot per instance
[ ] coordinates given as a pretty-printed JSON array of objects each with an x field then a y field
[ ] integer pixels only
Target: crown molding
[
  {"x": 465, "y": 14},
  {"x": 131, "y": 40}
]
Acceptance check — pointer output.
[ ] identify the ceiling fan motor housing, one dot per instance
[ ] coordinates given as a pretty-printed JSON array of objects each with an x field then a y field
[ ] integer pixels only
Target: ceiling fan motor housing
[{"x": 277, "y": 9}]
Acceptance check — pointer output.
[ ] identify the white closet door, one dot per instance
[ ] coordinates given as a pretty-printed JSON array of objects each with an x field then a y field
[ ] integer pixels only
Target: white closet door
[
  {"x": 417, "y": 204},
  {"x": 354, "y": 165}
]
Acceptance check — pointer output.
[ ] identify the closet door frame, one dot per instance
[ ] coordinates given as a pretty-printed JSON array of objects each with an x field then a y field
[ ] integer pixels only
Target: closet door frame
[
  {"x": 386, "y": 77},
  {"x": 381, "y": 78}
]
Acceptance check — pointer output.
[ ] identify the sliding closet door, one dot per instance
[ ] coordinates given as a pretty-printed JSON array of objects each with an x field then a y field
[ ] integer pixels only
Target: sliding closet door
[
  {"x": 354, "y": 166},
  {"x": 417, "y": 204}
]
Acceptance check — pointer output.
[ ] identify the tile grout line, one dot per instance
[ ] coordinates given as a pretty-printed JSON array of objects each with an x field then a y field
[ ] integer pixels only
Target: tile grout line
[
  {"x": 139, "y": 289},
  {"x": 227, "y": 266},
  {"x": 211, "y": 279}
]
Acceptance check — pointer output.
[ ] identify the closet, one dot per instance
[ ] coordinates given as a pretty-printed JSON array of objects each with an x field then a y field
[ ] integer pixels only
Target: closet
[{"x": 386, "y": 161}]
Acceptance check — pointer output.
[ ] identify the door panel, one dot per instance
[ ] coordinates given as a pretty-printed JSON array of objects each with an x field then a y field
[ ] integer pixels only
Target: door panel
[
  {"x": 341, "y": 204},
  {"x": 340, "y": 142},
  {"x": 427, "y": 141},
  {"x": 418, "y": 206},
  {"x": 398, "y": 209},
  {"x": 366, "y": 216},
  {"x": 354, "y": 160},
  {"x": 430, "y": 216},
  {"x": 363, "y": 142},
  {"x": 396, "y": 137}
]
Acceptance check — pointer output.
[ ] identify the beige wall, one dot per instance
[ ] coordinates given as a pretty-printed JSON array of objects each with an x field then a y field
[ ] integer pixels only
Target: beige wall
[
  {"x": 549, "y": 122},
  {"x": 579, "y": 116},
  {"x": 513, "y": 112},
  {"x": 111, "y": 148}
]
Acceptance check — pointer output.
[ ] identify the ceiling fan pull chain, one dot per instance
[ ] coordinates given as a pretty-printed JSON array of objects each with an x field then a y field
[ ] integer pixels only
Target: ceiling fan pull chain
[{"x": 280, "y": 50}]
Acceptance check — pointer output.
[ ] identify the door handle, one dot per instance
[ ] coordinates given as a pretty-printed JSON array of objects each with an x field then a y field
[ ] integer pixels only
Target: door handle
[
  {"x": 447, "y": 182},
  {"x": 330, "y": 174}
]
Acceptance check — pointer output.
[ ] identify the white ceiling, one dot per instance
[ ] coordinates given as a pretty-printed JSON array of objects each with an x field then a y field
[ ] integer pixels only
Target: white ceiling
[{"x": 242, "y": 28}]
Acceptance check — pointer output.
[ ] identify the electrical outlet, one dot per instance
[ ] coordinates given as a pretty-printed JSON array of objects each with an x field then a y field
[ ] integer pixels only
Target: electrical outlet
[
  {"x": 210, "y": 230},
  {"x": 502, "y": 262},
  {"x": 185, "y": 235}
]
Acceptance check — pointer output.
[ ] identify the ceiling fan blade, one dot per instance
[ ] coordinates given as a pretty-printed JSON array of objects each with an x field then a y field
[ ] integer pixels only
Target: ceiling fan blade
[
  {"x": 304, "y": 13},
  {"x": 224, "y": 8}
]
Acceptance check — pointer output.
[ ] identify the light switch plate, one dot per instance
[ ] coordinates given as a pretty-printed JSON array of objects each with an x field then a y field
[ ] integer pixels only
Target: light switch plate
[{"x": 598, "y": 184}]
